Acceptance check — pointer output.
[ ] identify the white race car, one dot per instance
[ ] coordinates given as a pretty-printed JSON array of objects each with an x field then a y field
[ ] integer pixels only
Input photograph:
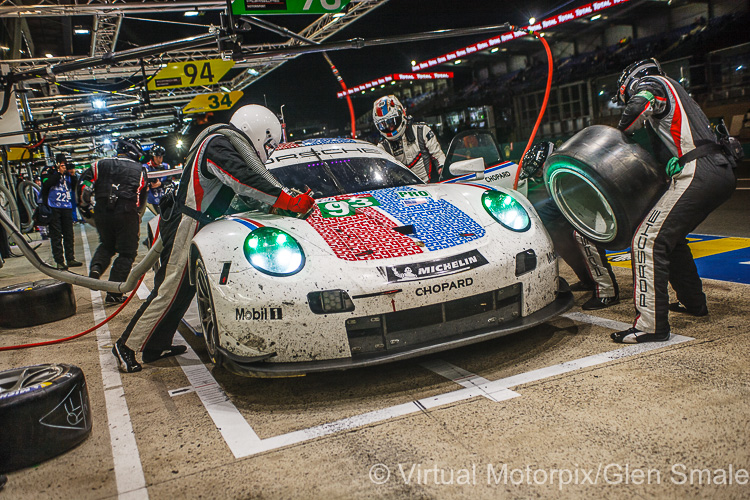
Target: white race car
[{"x": 383, "y": 268}]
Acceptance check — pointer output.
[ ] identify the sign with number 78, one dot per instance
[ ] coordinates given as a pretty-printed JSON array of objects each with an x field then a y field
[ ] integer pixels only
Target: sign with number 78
[
  {"x": 344, "y": 208},
  {"x": 240, "y": 7}
]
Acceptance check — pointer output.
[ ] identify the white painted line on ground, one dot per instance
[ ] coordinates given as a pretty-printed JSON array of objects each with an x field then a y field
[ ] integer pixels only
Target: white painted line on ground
[
  {"x": 142, "y": 291},
  {"x": 131, "y": 483},
  {"x": 596, "y": 320},
  {"x": 465, "y": 378},
  {"x": 236, "y": 431},
  {"x": 245, "y": 441},
  {"x": 498, "y": 389}
]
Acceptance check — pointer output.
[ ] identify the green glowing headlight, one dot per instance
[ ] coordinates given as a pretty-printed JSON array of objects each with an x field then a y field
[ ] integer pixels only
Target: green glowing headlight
[
  {"x": 272, "y": 251},
  {"x": 506, "y": 210}
]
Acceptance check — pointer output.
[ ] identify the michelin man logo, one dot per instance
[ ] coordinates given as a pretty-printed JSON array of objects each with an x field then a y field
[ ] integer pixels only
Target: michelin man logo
[{"x": 407, "y": 274}]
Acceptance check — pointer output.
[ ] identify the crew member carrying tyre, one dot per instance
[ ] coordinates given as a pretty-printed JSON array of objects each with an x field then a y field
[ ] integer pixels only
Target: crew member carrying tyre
[
  {"x": 413, "y": 144},
  {"x": 119, "y": 188},
  {"x": 702, "y": 178},
  {"x": 223, "y": 160},
  {"x": 587, "y": 260}
]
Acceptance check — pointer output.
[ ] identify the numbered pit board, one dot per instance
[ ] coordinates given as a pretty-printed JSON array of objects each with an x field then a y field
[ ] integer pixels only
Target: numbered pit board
[
  {"x": 345, "y": 208},
  {"x": 190, "y": 74},
  {"x": 256, "y": 7},
  {"x": 217, "y": 101}
]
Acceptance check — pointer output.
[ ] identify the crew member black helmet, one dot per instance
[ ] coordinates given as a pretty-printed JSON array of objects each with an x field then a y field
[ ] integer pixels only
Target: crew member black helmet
[
  {"x": 158, "y": 151},
  {"x": 632, "y": 74},
  {"x": 129, "y": 147}
]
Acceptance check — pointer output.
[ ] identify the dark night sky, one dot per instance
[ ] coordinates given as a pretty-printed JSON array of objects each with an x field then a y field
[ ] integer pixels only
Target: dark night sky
[{"x": 306, "y": 85}]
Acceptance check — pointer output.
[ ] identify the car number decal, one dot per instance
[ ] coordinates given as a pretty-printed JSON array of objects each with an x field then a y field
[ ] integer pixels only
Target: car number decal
[{"x": 345, "y": 207}]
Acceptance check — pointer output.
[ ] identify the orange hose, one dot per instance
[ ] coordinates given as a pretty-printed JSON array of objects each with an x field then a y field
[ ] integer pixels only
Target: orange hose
[
  {"x": 95, "y": 327},
  {"x": 544, "y": 104}
]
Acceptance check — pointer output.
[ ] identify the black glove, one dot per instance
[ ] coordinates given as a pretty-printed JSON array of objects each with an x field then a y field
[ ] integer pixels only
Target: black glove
[{"x": 534, "y": 158}]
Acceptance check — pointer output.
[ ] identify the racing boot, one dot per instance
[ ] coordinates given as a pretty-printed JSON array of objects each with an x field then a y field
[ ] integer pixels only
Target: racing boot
[
  {"x": 151, "y": 355},
  {"x": 126, "y": 358},
  {"x": 635, "y": 336}
]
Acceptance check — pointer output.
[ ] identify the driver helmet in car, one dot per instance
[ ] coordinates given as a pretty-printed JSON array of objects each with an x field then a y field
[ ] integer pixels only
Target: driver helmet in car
[
  {"x": 261, "y": 126},
  {"x": 632, "y": 74},
  {"x": 389, "y": 116},
  {"x": 533, "y": 160}
]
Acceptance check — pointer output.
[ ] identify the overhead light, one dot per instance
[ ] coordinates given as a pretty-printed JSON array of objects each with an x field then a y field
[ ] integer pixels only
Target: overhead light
[
  {"x": 107, "y": 141},
  {"x": 532, "y": 20},
  {"x": 191, "y": 13},
  {"x": 494, "y": 49},
  {"x": 414, "y": 63},
  {"x": 179, "y": 143},
  {"x": 48, "y": 55},
  {"x": 339, "y": 14},
  {"x": 393, "y": 83},
  {"x": 81, "y": 31},
  {"x": 3, "y": 47},
  {"x": 382, "y": 86},
  {"x": 598, "y": 16},
  {"x": 252, "y": 71},
  {"x": 99, "y": 104},
  {"x": 116, "y": 134},
  {"x": 224, "y": 89},
  {"x": 457, "y": 61}
]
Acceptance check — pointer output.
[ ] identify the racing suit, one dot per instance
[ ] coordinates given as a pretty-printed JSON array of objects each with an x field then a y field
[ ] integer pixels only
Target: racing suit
[
  {"x": 419, "y": 150},
  {"x": 214, "y": 172},
  {"x": 659, "y": 250},
  {"x": 120, "y": 191}
]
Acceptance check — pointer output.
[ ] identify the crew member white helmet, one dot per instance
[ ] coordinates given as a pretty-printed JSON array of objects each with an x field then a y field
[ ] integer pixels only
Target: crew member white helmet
[
  {"x": 261, "y": 126},
  {"x": 389, "y": 116}
]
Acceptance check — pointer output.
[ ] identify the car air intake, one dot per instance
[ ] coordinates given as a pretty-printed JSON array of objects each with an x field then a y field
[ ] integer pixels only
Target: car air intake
[{"x": 405, "y": 329}]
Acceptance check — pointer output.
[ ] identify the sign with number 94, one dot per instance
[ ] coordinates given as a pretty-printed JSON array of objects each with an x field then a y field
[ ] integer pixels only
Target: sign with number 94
[
  {"x": 344, "y": 208},
  {"x": 190, "y": 74}
]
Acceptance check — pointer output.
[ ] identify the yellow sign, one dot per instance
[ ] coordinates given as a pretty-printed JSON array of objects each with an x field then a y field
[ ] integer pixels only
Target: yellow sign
[
  {"x": 190, "y": 74},
  {"x": 18, "y": 154},
  {"x": 213, "y": 102}
]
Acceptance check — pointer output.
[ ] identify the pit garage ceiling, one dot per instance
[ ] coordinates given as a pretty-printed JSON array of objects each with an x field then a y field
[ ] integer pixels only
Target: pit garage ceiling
[{"x": 62, "y": 103}]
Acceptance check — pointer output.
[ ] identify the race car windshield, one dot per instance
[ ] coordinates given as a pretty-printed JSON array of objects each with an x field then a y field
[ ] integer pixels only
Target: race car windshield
[{"x": 345, "y": 175}]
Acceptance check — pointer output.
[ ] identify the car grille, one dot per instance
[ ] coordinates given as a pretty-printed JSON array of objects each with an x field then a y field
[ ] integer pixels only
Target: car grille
[{"x": 407, "y": 329}]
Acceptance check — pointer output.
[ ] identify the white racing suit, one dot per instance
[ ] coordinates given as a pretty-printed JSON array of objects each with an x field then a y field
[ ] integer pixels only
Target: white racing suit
[
  {"x": 659, "y": 251},
  {"x": 419, "y": 150},
  {"x": 214, "y": 172}
]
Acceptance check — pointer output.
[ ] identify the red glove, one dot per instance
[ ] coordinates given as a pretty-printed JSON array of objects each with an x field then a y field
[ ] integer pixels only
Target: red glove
[{"x": 300, "y": 203}]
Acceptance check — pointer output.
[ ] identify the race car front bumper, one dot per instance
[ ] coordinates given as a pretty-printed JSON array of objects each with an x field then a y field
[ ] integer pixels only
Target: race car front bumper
[{"x": 470, "y": 333}]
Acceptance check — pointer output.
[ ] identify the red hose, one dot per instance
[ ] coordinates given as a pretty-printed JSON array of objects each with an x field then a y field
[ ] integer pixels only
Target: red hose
[
  {"x": 95, "y": 327},
  {"x": 544, "y": 104},
  {"x": 336, "y": 73}
]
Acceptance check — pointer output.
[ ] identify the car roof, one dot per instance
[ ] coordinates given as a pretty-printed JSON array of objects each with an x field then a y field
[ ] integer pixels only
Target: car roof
[{"x": 290, "y": 153}]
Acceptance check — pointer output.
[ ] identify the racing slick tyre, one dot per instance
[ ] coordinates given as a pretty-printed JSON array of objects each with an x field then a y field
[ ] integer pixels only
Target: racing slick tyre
[
  {"x": 44, "y": 410},
  {"x": 604, "y": 184},
  {"x": 36, "y": 303},
  {"x": 206, "y": 313}
]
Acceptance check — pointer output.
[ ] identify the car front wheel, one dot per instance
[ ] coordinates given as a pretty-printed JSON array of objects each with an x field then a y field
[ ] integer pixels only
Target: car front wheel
[{"x": 207, "y": 313}]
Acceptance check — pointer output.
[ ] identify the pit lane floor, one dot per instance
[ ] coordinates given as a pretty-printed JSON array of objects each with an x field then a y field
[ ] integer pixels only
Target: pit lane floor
[{"x": 556, "y": 404}]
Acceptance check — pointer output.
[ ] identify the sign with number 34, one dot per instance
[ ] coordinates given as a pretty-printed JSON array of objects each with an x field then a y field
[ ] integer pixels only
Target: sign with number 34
[{"x": 344, "y": 208}]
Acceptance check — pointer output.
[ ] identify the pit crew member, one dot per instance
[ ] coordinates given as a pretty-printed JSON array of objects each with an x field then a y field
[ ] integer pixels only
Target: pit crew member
[
  {"x": 223, "y": 160},
  {"x": 702, "y": 178}
]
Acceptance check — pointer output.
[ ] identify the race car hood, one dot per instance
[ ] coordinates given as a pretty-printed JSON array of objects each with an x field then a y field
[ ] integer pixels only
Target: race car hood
[{"x": 372, "y": 226}]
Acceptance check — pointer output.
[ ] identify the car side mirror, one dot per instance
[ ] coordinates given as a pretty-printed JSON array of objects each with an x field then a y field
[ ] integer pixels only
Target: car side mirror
[{"x": 473, "y": 166}]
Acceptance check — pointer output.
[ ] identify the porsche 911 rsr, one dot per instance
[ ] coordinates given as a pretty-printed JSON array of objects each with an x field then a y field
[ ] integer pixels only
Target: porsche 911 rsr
[{"x": 383, "y": 268}]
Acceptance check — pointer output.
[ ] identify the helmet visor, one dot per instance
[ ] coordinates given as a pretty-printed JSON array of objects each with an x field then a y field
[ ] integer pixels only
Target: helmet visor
[{"x": 389, "y": 125}]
